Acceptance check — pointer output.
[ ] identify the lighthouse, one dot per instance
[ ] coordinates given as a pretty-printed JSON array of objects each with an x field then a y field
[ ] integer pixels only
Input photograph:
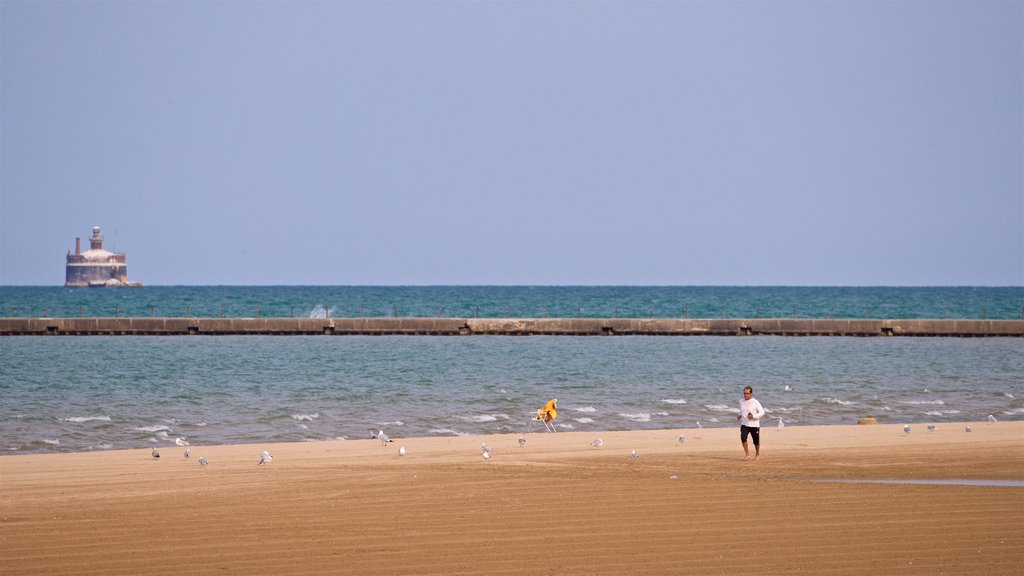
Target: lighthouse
[{"x": 96, "y": 266}]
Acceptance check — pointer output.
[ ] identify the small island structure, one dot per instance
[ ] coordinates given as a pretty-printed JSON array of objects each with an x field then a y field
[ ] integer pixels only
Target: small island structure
[{"x": 96, "y": 266}]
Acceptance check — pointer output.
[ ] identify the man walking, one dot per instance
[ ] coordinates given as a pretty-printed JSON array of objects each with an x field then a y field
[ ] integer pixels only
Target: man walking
[{"x": 750, "y": 422}]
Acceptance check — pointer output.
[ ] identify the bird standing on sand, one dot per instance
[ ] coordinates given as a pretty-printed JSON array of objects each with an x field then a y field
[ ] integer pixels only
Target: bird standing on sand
[
  {"x": 384, "y": 438},
  {"x": 634, "y": 454},
  {"x": 521, "y": 441},
  {"x": 931, "y": 427},
  {"x": 781, "y": 425},
  {"x": 484, "y": 449},
  {"x": 967, "y": 429},
  {"x": 156, "y": 453},
  {"x": 401, "y": 450},
  {"x": 188, "y": 453},
  {"x": 597, "y": 443},
  {"x": 202, "y": 461},
  {"x": 682, "y": 438},
  {"x": 992, "y": 419},
  {"x": 906, "y": 428},
  {"x": 487, "y": 454},
  {"x": 265, "y": 458}
]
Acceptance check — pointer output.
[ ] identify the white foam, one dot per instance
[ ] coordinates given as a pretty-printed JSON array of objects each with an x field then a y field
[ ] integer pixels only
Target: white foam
[
  {"x": 480, "y": 418},
  {"x": 588, "y": 409},
  {"x": 566, "y": 426},
  {"x": 920, "y": 402},
  {"x": 1014, "y": 412},
  {"x": 303, "y": 426},
  {"x": 393, "y": 423},
  {"x": 155, "y": 428},
  {"x": 53, "y": 441},
  {"x": 80, "y": 419},
  {"x": 838, "y": 401},
  {"x": 201, "y": 424},
  {"x": 721, "y": 408},
  {"x": 1008, "y": 394},
  {"x": 448, "y": 431},
  {"x": 674, "y": 401},
  {"x": 661, "y": 413},
  {"x": 640, "y": 417},
  {"x": 941, "y": 412},
  {"x": 584, "y": 420},
  {"x": 307, "y": 417},
  {"x": 716, "y": 419}
]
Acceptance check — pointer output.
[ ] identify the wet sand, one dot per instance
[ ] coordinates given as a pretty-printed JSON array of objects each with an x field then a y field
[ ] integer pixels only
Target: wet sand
[{"x": 554, "y": 506}]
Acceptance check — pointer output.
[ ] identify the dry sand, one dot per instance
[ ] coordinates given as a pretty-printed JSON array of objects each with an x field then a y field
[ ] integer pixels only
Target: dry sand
[{"x": 555, "y": 506}]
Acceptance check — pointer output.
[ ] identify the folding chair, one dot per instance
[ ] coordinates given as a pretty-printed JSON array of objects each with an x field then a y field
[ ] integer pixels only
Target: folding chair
[{"x": 546, "y": 414}]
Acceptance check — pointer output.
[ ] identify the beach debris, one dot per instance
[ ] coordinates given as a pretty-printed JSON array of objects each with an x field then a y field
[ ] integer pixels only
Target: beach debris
[
  {"x": 967, "y": 429},
  {"x": 265, "y": 458},
  {"x": 682, "y": 438},
  {"x": 401, "y": 450},
  {"x": 992, "y": 419},
  {"x": 487, "y": 454},
  {"x": 597, "y": 443},
  {"x": 156, "y": 453},
  {"x": 673, "y": 477},
  {"x": 180, "y": 442},
  {"x": 781, "y": 424},
  {"x": 202, "y": 461},
  {"x": 931, "y": 427},
  {"x": 634, "y": 455},
  {"x": 522, "y": 441},
  {"x": 906, "y": 428},
  {"x": 188, "y": 453}
]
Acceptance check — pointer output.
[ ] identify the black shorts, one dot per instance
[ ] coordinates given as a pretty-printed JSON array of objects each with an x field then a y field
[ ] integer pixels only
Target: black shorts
[{"x": 754, "y": 432}]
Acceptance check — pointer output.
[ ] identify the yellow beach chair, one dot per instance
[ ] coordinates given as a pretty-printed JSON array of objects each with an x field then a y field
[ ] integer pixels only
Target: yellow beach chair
[{"x": 548, "y": 413}]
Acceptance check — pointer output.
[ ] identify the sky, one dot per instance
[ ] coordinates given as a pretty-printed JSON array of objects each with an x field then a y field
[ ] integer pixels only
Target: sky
[{"x": 515, "y": 143}]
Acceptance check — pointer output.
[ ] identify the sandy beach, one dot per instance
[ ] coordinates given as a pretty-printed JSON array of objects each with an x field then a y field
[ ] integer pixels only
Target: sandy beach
[{"x": 556, "y": 505}]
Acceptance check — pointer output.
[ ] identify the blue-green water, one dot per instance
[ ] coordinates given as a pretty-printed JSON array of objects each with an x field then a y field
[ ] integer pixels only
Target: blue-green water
[
  {"x": 100, "y": 392},
  {"x": 518, "y": 301}
]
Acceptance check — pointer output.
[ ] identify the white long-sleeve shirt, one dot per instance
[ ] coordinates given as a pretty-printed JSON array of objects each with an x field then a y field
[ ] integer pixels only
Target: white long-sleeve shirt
[{"x": 753, "y": 407}]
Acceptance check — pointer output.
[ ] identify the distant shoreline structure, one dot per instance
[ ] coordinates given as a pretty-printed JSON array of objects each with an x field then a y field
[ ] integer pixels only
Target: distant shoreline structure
[{"x": 96, "y": 267}]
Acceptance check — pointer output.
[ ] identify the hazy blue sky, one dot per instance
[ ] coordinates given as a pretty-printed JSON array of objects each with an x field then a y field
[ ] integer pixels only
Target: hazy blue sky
[{"x": 678, "y": 143}]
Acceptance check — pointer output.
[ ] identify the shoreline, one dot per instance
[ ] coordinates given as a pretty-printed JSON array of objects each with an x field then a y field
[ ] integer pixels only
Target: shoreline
[{"x": 358, "y": 507}]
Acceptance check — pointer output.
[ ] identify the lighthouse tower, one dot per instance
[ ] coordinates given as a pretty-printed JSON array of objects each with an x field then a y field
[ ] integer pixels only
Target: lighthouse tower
[{"x": 96, "y": 266}]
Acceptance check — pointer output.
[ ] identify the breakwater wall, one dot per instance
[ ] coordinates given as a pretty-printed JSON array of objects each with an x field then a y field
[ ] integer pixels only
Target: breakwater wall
[{"x": 510, "y": 326}]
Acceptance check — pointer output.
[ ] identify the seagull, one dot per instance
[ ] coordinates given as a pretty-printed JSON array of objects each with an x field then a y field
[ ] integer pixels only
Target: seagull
[
  {"x": 180, "y": 442},
  {"x": 373, "y": 435},
  {"x": 682, "y": 438},
  {"x": 787, "y": 388},
  {"x": 521, "y": 441},
  {"x": 484, "y": 449},
  {"x": 633, "y": 454},
  {"x": 698, "y": 425},
  {"x": 487, "y": 454},
  {"x": 188, "y": 453},
  {"x": 992, "y": 419},
  {"x": 931, "y": 427},
  {"x": 156, "y": 453},
  {"x": 384, "y": 438},
  {"x": 781, "y": 425},
  {"x": 906, "y": 428},
  {"x": 401, "y": 450},
  {"x": 597, "y": 443},
  {"x": 202, "y": 461},
  {"x": 967, "y": 429},
  {"x": 265, "y": 458}
]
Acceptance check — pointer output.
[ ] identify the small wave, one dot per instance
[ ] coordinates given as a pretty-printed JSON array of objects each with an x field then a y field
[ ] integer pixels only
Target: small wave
[
  {"x": 156, "y": 428},
  {"x": 831, "y": 400},
  {"x": 51, "y": 441},
  {"x": 307, "y": 417},
  {"x": 448, "y": 431},
  {"x": 303, "y": 426},
  {"x": 1008, "y": 394},
  {"x": 584, "y": 420},
  {"x": 674, "y": 401},
  {"x": 101, "y": 447},
  {"x": 201, "y": 424},
  {"x": 641, "y": 417},
  {"x": 922, "y": 402},
  {"x": 479, "y": 419},
  {"x": 1014, "y": 412},
  {"x": 567, "y": 426},
  {"x": 661, "y": 413},
  {"x": 721, "y": 408},
  {"x": 941, "y": 412},
  {"x": 588, "y": 409},
  {"x": 393, "y": 423},
  {"x": 80, "y": 419}
]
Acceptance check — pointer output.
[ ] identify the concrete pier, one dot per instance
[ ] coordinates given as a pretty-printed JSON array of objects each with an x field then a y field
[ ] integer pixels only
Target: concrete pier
[{"x": 510, "y": 326}]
